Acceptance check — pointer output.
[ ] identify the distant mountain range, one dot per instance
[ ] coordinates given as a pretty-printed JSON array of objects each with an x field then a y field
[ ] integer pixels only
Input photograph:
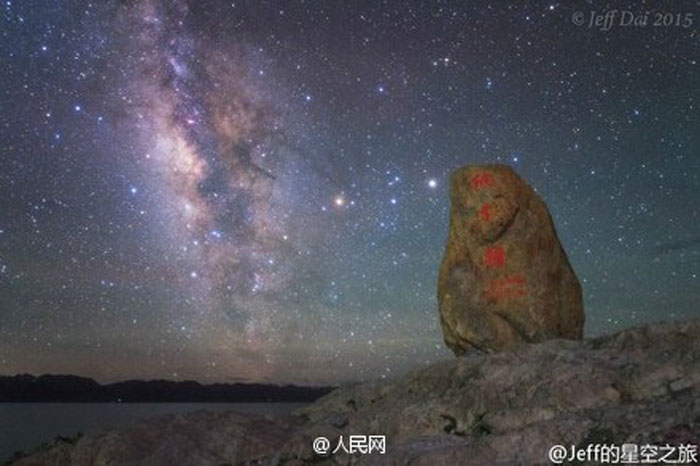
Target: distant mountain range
[{"x": 70, "y": 388}]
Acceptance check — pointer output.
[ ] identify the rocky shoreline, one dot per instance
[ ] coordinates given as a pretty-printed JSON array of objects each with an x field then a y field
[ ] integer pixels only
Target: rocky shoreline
[{"x": 639, "y": 386}]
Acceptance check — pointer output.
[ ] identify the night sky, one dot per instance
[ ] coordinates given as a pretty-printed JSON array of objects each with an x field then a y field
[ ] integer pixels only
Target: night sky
[{"x": 258, "y": 191}]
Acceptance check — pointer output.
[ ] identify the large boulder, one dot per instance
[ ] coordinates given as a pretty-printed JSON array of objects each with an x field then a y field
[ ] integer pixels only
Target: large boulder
[{"x": 505, "y": 278}]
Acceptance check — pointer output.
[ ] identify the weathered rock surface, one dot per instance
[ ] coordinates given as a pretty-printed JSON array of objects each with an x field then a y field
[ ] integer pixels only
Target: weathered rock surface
[
  {"x": 505, "y": 278},
  {"x": 639, "y": 386}
]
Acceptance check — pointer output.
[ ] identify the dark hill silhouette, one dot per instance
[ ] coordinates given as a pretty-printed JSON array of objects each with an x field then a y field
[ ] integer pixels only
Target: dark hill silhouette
[{"x": 69, "y": 388}]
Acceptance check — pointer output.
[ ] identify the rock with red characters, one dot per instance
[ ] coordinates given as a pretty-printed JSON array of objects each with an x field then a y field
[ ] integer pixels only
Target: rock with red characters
[{"x": 505, "y": 278}]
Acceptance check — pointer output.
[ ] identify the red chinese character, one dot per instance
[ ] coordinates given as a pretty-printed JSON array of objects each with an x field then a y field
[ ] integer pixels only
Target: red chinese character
[
  {"x": 507, "y": 288},
  {"x": 515, "y": 280},
  {"x": 485, "y": 212},
  {"x": 495, "y": 256},
  {"x": 481, "y": 180}
]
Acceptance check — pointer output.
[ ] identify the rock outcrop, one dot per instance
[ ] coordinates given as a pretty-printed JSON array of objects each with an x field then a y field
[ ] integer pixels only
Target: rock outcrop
[
  {"x": 640, "y": 386},
  {"x": 505, "y": 278}
]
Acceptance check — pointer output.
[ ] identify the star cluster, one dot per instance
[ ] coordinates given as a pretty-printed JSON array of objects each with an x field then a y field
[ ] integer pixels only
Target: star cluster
[{"x": 258, "y": 191}]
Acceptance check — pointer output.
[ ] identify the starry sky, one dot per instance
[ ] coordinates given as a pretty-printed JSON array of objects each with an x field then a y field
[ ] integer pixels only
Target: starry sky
[{"x": 258, "y": 191}]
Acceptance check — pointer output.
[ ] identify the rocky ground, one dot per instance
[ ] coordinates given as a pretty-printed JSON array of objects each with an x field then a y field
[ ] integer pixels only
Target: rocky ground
[{"x": 638, "y": 386}]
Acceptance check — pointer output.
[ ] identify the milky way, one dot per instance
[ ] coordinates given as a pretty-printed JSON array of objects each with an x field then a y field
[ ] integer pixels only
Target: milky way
[
  {"x": 212, "y": 139},
  {"x": 258, "y": 190},
  {"x": 230, "y": 186}
]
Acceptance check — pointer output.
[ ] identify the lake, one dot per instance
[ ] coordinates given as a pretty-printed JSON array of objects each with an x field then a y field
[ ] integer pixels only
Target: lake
[{"x": 24, "y": 426}]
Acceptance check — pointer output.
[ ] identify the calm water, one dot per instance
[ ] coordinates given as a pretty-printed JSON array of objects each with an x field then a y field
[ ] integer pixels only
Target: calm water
[{"x": 24, "y": 426}]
